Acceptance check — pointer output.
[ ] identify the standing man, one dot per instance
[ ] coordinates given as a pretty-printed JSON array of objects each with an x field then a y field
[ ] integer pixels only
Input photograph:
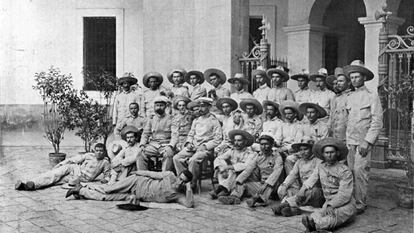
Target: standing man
[
  {"x": 216, "y": 78},
  {"x": 176, "y": 78},
  {"x": 252, "y": 120},
  {"x": 273, "y": 121},
  {"x": 238, "y": 82},
  {"x": 262, "y": 91},
  {"x": 134, "y": 119},
  {"x": 152, "y": 81},
  {"x": 205, "y": 134},
  {"x": 322, "y": 95},
  {"x": 124, "y": 98},
  {"x": 159, "y": 137},
  {"x": 195, "y": 79},
  {"x": 279, "y": 93},
  {"x": 303, "y": 95},
  {"x": 363, "y": 127}
]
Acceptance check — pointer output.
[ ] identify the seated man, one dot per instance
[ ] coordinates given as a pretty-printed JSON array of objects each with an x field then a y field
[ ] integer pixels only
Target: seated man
[
  {"x": 134, "y": 119},
  {"x": 273, "y": 122},
  {"x": 337, "y": 186},
  {"x": 148, "y": 186},
  {"x": 159, "y": 137},
  {"x": 182, "y": 120},
  {"x": 83, "y": 168},
  {"x": 261, "y": 177},
  {"x": 125, "y": 161},
  {"x": 233, "y": 162},
  {"x": 205, "y": 134},
  {"x": 315, "y": 128},
  {"x": 301, "y": 171}
]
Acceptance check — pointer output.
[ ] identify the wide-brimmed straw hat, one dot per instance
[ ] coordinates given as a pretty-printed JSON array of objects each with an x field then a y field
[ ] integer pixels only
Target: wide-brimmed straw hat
[
  {"x": 239, "y": 77},
  {"x": 230, "y": 101},
  {"x": 272, "y": 103},
  {"x": 260, "y": 71},
  {"x": 303, "y": 74},
  {"x": 162, "y": 99},
  {"x": 192, "y": 105},
  {"x": 128, "y": 129},
  {"x": 129, "y": 78},
  {"x": 358, "y": 66},
  {"x": 179, "y": 98},
  {"x": 337, "y": 143},
  {"x": 255, "y": 102},
  {"x": 321, "y": 111},
  {"x": 322, "y": 73},
  {"x": 278, "y": 70},
  {"x": 179, "y": 70},
  {"x": 152, "y": 74},
  {"x": 266, "y": 137},
  {"x": 292, "y": 105},
  {"x": 197, "y": 73},
  {"x": 204, "y": 100},
  {"x": 221, "y": 75},
  {"x": 296, "y": 146},
  {"x": 248, "y": 137}
]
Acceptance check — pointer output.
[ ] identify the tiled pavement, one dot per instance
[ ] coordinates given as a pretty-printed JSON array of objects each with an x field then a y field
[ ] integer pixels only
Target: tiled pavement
[{"x": 48, "y": 211}]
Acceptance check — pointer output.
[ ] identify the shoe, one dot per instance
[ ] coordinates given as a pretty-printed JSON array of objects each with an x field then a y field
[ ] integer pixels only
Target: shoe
[
  {"x": 223, "y": 193},
  {"x": 74, "y": 192},
  {"x": 277, "y": 209},
  {"x": 308, "y": 223},
  {"x": 286, "y": 211},
  {"x": 229, "y": 200},
  {"x": 30, "y": 185},
  {"x": 213, "y": 195},
  {"x": 20, "y": 185},
  {"x": 296, "y": 210}
]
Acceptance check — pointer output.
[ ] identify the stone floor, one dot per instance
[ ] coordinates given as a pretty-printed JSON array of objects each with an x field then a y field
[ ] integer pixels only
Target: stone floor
[{"x": 48, "y": 211}]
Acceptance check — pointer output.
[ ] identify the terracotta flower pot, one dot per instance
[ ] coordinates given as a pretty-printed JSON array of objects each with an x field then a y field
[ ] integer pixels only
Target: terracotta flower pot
[
  {"x": 405, "y": 196},
  {"x": 55, "y": 158}
]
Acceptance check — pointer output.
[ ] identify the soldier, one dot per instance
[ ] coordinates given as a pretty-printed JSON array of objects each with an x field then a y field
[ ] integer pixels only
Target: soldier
[
  {"x": 262, "y": 91},
  {"x": 303, "y": 95},
  {"x": 195, "y": 79},
  {"x": 134, "y": 119},
  {"x": 231, "y": 119},
  {"x": 82, "y": 168},
  {"x": 176, "y": 77},
  {"x": 159, "y": 137},
  {"x": 216, "y": 78},
  {"x": 363, "y": 127},
  {"x": 204, "y": 136},
  {"x": 337, "y": 186},
  {"x": 238, "y": 82},
  {"x": 301, "y": 171},
  {"x": 314, "y": 128},
  {"x": 322, "y": 95},
  {"x": 182, "y": 119},
  {"x": 279, "y": 93},
  {"x": 152, "y": 81},
  {"x": 124, "y": 98},
  {"x": 252, "y": 118},
  {"x": 233, "y": 162},
  {"x": 339, "y": 115},
  {"x": 273, "y": 121},
  {"x": 261, "y": 177}
]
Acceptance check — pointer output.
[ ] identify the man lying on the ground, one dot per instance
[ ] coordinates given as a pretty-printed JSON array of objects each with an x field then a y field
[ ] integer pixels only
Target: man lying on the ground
[
  {"x": 148, "y": 186},
  {"x": 84, "y": 168}
]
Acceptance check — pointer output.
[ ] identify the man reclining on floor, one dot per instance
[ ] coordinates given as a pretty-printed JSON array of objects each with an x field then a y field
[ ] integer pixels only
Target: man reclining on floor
[
  {"x": 82, "y": 168},
  {"x": 148, "y": 186}
]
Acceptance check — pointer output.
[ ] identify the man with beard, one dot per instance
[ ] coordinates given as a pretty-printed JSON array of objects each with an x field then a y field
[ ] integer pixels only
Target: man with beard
[
  {"x": 252, "y": 119},
  {"x": 195, "y": 79},
  {"x": 134, "y": 119},
  {"x": 152, "y": 81},
  {"x": 82, "y": 168},
  {"x": 127, "y": 96},
  {"x": 339, "y": 115},
  {"x": 363, "y": 127},
  {"x": 176, "y": 78},
  {"x": 279, "y": 93},
  {"x": 205, "y": 134},
  {"x": 261, "y": 177},
  {"x": 182, "y": 120},
  {"x": 148, "y": 186},
  {"x": 238, "y": 82},
  {"x": 302, "y": 170},
  {"x": 273, "y": 121},
  {"x": 337, "y": 186},
  {"x": 233, "y": 162},
  {"x": 216, "y": 78},
  {"x": 262, "y": 91},
  {"x": 303, "y": 95},
  {"x": 322, "y": 96},
  {"x": 159, "y": 137}
]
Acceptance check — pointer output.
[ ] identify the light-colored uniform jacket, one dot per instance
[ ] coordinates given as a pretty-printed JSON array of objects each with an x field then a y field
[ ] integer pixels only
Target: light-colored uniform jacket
[{"x": 339, "y": 115}]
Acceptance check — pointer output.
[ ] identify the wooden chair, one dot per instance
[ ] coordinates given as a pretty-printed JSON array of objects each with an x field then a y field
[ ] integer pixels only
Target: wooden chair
[{"x": 207, "y": 172}]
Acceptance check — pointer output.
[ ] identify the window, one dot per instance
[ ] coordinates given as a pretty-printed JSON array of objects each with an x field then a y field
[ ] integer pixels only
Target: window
[{"x": 99, "y": 47}]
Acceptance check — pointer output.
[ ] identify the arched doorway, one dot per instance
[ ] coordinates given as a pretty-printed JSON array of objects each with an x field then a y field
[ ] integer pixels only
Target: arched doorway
[{"x": 345, "y": 39}]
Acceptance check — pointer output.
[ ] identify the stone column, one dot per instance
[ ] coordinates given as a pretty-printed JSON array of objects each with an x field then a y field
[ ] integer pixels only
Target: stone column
[{"x": 305, "y": 48}]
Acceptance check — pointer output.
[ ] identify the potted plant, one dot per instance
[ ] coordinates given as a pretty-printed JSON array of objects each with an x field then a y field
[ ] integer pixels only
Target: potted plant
[{"x": 54, "y": 88}]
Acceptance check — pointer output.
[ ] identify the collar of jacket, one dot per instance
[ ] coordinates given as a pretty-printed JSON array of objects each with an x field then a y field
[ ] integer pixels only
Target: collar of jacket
[{"x": 263, "y": 86}]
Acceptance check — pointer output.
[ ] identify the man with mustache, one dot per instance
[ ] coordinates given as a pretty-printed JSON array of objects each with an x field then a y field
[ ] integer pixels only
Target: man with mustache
[
  {"x": 262, "y": 91},
  {"x": 152, "y": 81},
  {"x": 322, "y": 95},
  {"x": 273, "y": 121},
  {"x": 279, "y": 93}
]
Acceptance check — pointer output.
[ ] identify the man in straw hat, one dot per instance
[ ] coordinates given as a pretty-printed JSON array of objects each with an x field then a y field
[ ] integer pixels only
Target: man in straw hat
[
  {"x": 176, "y": 78},
  {"x": 279, "y": 93},
  {"x": 302, "y": 170},
  {"x": 152, "y": 81},
  {"x": 127, "y": 96},
  {"x": 261, "y": 177},
  {"x": 195, "y": 79},
  {"x": 205, "y": 134},
  {"x": 216, "y": 78},
  {"x": 232, "y": 163},
  {"x": 321, "y": 95},
  {"x": 337, "y": 186},
  {"x": 363, "y": 127},
  {"x": 303, "y": 95},
  {"x": 134, "y": 119},
  {"x": 238, "y": 82},
  {"x": 291, "y": 130},
  {"x": 159, "y": 137},
  {"x": 314, "y": 128},
  {"x": 182, "y": 120},
  {"x": 82, "y": 168},
  {"x": 339, "y": 116},
  {"x": 273, "y": 121},
  {"x": 252, "y": 118},
  {"x": 262, "y": 91}
]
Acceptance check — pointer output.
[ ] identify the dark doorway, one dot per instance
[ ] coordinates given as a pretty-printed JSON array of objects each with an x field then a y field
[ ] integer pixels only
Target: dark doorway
[{"x": 254, "y": 33}]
